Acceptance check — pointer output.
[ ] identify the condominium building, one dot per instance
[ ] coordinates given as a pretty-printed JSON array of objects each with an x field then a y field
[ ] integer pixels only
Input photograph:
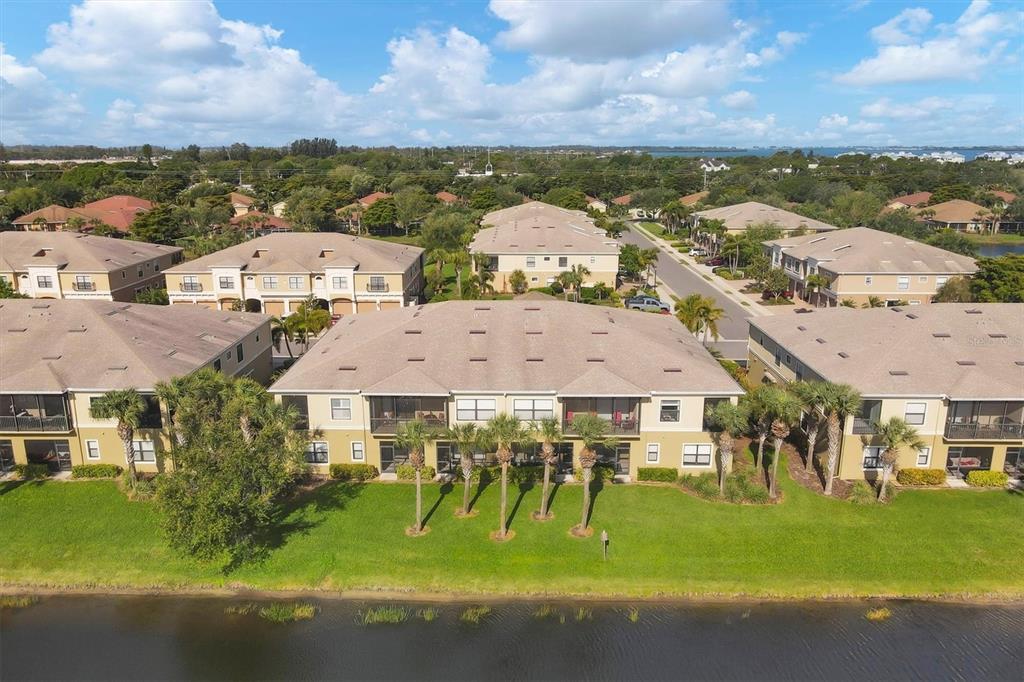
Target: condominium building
[
  {"x": 461, "y": 362},
  {"x": 74, "y": 265},
  {"x": 543, "y": 241},
  {"x": 59, "y": 356},
  {"x": 953, "y": 371},
  {"x": 276, "y": 273},
  {"x": 859, "y": 264},
  {"x": 740, "y": 217}
]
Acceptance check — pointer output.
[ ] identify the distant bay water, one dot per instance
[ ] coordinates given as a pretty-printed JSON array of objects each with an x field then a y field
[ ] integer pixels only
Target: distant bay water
[{"x": 968, "y": 153}]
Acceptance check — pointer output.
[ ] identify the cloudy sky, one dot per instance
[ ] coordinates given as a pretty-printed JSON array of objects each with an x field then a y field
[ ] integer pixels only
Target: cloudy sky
[{"x": 691, "y": 72}]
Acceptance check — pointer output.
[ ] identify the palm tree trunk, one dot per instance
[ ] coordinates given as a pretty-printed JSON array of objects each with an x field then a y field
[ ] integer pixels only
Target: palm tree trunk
[
  {"x": 761, "y": 438},
  {"x": 419, "y": 500},
  {"x": 587, "y": 471},
  {"x": 544, "y": 491},
  {"x": 773, "y": 490},
  {"x": 833, "y": 450},
  {"x": 129, "y": 455},
  {"x": 245, "y": 424},
  {"x": 465, "y": 494},
  {"x": 458, "y": 280},
  {"x": 504, "y": 499},
  {"x": 885, "y": 483},
  {"x": 812, "y": 439}
]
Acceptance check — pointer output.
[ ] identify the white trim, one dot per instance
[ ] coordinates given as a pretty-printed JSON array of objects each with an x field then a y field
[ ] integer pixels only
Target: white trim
[
  {"x": 89, "y": 445},
  {"x": 342, "y": 407},
  {"x": 362, "y": 450},
  {"x": 927, "y": 452},
  {"x": 327, "y": 451},
  {"x": 923, "y": 413},
  {"x": 657, "y": 453},
  {"x": 710, "y": 453}
]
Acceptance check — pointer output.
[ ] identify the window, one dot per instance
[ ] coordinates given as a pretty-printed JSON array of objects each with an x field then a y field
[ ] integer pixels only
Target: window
[
  {"x": 92, "y": 449},
  {"x": 339, "y": 282},
  {"x": 44, "y": 282},
  {"x": 533, "y": 410},
  {"x": 151, "y": 418},
  {"x": 144, "y": 450},
  {"x": 697, "y": 455},
  {"x": 294, "y": 282},
  {"x": 83, "y": 282},
  {"x": 238, "y": 352},
  {"x": 341, "y": 409},
  {"x": 377, "y": 283},
  {"x": 226, "y": 282},
  {"x": 140, "y": 273},
  {"x": 357, "y": 451},
  {"x": 474, "y": 410},
  {"x": 778, "y": 357},
  {"x": 922, "y": 278},
  {"x": 316, "y": 452},
  {"x": 653, "y": 453},
  {"x": 903, "y": 283},
  {"x": 216, "y": 364},
  {"x": 669, "y": 410},
  {"x": 868, "y": 280},
  {"x": 939, "y": 281},
  {"x": 914, "y": 413},
  {"x": 531, "y": 261},
  {"x": 873, "y": 457},
  {"x": 924, "y": 457},
  {"x": 593, "y": 260},
  {"x": 270, "y": 282},
  {"x": 563, "y": 261},
  {"x": 157, "y": 266}
]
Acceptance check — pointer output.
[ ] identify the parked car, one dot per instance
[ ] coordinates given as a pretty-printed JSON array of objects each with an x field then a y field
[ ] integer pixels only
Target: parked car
[
  {"x": 713, "y": 262},
  {"x": 697, "y": 251},
  {"x": 647, "y": 303}
]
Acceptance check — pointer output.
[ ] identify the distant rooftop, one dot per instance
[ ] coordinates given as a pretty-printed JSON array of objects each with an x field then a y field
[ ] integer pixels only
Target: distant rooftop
[
  {"x": 74, "y": 252},
  {"x": 742, "y": 216},
  {"x": 537, "y": 227}
]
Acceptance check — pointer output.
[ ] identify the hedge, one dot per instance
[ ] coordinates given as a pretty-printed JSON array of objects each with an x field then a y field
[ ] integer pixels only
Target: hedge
[
  {"x": 406, "y": 472},
  {"x": 662, "y": 474},
  {"x": 988, "y": 479},
  {"x": 353, "y": 472},
  {"x": 29, "y": 472},
  {"x": 602, "y": 473},
  {"x": 96, "y": 471},
  {"x": 517, "y": 475},
  {"x": 921, "y": 476}
]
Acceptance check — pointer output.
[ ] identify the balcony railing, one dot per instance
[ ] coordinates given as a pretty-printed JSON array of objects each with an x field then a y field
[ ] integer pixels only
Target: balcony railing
[
  {"x": 974, "y": 431},
  {"x": 190, "y": 286},
  {"x": 391, "y": 424},
  {"x": 83, "y": 286},
  {"x": 30, "y": 423},
  {"x": 626, "y": 426},
  {"x": 863, "y": 426},
  {"x": 378, "y": 288}
]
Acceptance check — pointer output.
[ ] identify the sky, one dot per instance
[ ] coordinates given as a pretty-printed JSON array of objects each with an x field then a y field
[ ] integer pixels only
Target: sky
[{"x": 525, "y": 72}]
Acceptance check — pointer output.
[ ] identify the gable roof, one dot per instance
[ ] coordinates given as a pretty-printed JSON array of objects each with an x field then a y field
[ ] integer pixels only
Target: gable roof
[
  {"x": 695, "y": 198},
  {"x": 57, "y": 345},
  {"x": 537, "y": 227},
  {"x": 74, "y": 252},
  {"x": 624, "y": 200},
  {"x": 239, "y": 199},
  {"x": 372, "y": 198},
  {"x": 261, "y": 219},
  {"x": 741, "y": 216},
  {"x": 117, "y": 211},
  {"x": 50, "y": 214},
  {"x": 1008, "y": 197}
]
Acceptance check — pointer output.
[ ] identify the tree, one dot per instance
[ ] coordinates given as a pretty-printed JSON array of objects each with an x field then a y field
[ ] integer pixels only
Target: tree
[
  {"x": 311, "y": 209},
  {"x": 630, "y": 259},
  {"x": 573, "y": 279},
  {"x": 7, "y": 290},
  {"x": 955, "y": 290},
  {"x": 125, "y": 406},
  {"x": 380, "y": 214},
  {"x": 412, "y": 204},
  {"x": 775, "y": 283},
  {"x": 446, "y": 229},
  {"x": 759, "y": 405},
  {"x": 308, "y": 320},
  {"x": 517, "y": 280},
  {"x": 414, "y": 436},
  {"x": 504, "y": 432},
  {"x": 564, "y": 280},
  {"x": 549, "y": 432},
  {"x": 839, "y": 401},
  {"x": 648, "y": 260},
  {"x": 999, "y": 279},
  {"x": 566, "y": 197},
  {"x": 153, "y": 296},
  {"x": 592, "y": 431},
  {"x": 727, "y": 421},
  {"x": 280, "y": 331},
  {"x": 815, "y": 283},
  {"x": 873, "y": 302},
  {"x": 467, "y": 439},
  {"x": 602, "y": 290},
  {"x": 484, "y": 199},
  {"x": 894, "y": 435},
  {"x": 162, "y": 224},
  {"x": 951, "y": 240},
  {"x": 700, "y": 315},
  {"x": 459, "y": 259},
  {"x": 757, "y": 269},
  {"x": 785, "y": 414},
  {"x": 811, "y": 397}
]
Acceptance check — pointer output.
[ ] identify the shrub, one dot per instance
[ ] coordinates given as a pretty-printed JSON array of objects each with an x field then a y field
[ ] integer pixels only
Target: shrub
[
  {"x": 584, "y": 613},
  {"x": 406, "y": 472},
  {"x": 662, "y": 474},
  {"x": 524, "y": 474},
  {"x": 353, "y": 472},
  {"x": 30, "y": 472},
  {"x": 474, "y": 614},
  {"x": 143, "y": 489},
  {"x": 17, "y": 601},
  {"x": 703, "y": 485},
  {"x": 96, "y": 471},
  {"x": 384, "y": 615},
  {"x": 286, "y": 613},
  {"x": 861, "y": 492},
  {"x": 878, "y": 615},
  {"x": 988, "y": 479},
  {"x": 428, "y": 615},
  {"x": 742, "y": 486},
  {"x": 546, "y": 611},
  {"x": 921, "y": 476},
  {"x": 633, "y": 615},
  {"x": 602, "y": 473}
]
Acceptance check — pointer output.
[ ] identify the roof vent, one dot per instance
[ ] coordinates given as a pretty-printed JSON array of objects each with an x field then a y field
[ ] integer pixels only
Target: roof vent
[
  {"x": 532, "y": 308},
  {"x": 801, "y": 327},
  {"x": 416, "y": 359},
  {"x": 973, "y": 311},
  {"x": 535, "y": 359},
  {"x": 941, "y": 335},
  {"x": 40, "y": 306},
  {"x": 595, "y": 359},
  {"x": 896, "y": 309},
  {"x": 534, "y": 331},
  {"x": 119, "y": 368},
  {"x": 843, "y": 354},
  {"x": 597, "y": 332},
  {"x": 478, "y": 359},
  {"x": 23, "y": 329},
  {"x": 898, "y": 372},
  {"x": 482, "y": 307},
  {"x": 672, "y": 370},
  {"x": 1019, "y": 363},
  {"x": 997, "y": 336},
  {"x": 477, "y": 331},
  {"x": 51, "y": 357},
  {"x": 966, "y": 363},
  {"x": 911, "y": 316},
  {"x": 413, "y": 331},
  {"x": 78, "y": 330},
  {"x": 820, "y": 340},
  {"x": 347, "y": 368}
]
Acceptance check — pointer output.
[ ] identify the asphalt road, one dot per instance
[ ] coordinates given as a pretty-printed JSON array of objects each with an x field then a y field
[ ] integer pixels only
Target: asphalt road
[{"x": 683, "y": 281}]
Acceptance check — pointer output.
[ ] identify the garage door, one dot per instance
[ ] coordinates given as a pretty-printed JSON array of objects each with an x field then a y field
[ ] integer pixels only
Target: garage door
[
  {"x": 273, "y": 308},
  {"x": 294, "y": 306},
  {"x": 341, "y": 306},
  {"x": 389, "y": 305},
  {"x": 366, "y": 306},
  {"x": 210, "y": 305}
]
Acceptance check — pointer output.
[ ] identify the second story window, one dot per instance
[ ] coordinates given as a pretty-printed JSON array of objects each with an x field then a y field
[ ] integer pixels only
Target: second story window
[
  {"x": 531, "y": 261},
  {"x": 341, "y": 409},
  {"x": 238, "y": 353},
  {"x": 914, "y": 413},
  {"x": 533, "y": 410},
  {"x": 339, "y": 282},
  {"x": 903, "y": 283},
  {"x": 226, "y": 282},
  {"x": 867, "y": 281},
  {"x": 669, "y": 410},
  {"x": 294, "y": 282},
  {"x": 83, "y": 283},
  {"x": 270, "y": 282},
  {"x": 377, "y": 283},
  {"x": 44, "y": 282},
  {"x": 563, "y": 261},
  {"x": 471, "y": 410},
  {"x": 191, "y": 283}
]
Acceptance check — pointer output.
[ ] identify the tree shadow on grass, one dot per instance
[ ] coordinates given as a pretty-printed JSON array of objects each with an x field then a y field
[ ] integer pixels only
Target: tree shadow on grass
[
  {"x": 485, "y": 480},
  {"x": 596, "y": 486},
  {"x": 445, "y": 488},
  {"x": 11, "y": 486},
  {"x": 524, "y": 488},
  {"x": 555, "y": 487}
]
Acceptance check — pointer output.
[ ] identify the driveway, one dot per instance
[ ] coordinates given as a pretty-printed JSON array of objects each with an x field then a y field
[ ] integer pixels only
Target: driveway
[{"x": 683, "y": 281}]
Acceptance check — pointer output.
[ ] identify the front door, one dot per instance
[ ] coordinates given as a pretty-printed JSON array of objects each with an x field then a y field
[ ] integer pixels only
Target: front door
[
  {"x": 6, "y": 456},
  {"x": 1014, "y": 461},
  {"x": 391, "y": 457},
  {"x": 444, "y": 458}
]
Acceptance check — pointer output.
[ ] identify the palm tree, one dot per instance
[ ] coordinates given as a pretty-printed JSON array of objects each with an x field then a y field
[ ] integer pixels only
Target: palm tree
[
  {"x": 810, "y": 395},
  {"x": 414, "y": 436},
  {"x": 466, "y": 438},
  {"x": 250, "y": 399},
  {"x": 839, "y": 401},
  {"x": 648, "y": 262},
  {"x": 601, "y": 290},
  {"x": 173, "y": 394},
  {"x": 279, "y": 330},
  {"x": 700, "y": 315},
  {"x": 127, "y": 407},
  {"x": 578, "y": 275},
  {"x": 848, "y": 303},
  {"x": 816, "y": 283},
  {"x": 728, "y": 422},
  {"x": 548, "y": 432},
  {"x": 308, "y": 320},
  {"x": 459, "y": 258},
  {"x": 785, "y": 414},
  {"x": 593, "y": 431},
  {"x": 760, "y": 406},
  {"x": 564, "y": 280},
  {"x": 688, "y": 312},
  {"x": 894, "y": 434},
  {"x": 504, "y": 432},
  {"x": 710, "y": 314},
  {"x": 873, "y": 302}
]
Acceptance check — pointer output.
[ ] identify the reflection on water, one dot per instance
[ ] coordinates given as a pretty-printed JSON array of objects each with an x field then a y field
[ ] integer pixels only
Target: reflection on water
[
  {"x": 996, "y": 250},
  {"x": 165, "y": 637}
]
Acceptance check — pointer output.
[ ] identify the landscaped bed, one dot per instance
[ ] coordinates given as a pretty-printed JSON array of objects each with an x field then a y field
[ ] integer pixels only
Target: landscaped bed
[{"x": 663, "y": 541}]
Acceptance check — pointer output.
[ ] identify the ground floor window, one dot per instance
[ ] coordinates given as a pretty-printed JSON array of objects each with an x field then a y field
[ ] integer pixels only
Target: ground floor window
[
  {"x": 653, "y": 453},
  {"x": 924, "y": 457},
  {"x": 1014, "y": 461},
  {"x": 697, "y": 455},
  {"x": 6, "y": 456},
  {"x": 92, "y": 449},
  {"x": 358, "y": 454},
  {"x": 616, "y": 457},
  {"x": 316, "y": 452},
  {"x": 56, "y": 454},
  {"x": 145, "y": 450},
  {"x": 873, "y": 457}
]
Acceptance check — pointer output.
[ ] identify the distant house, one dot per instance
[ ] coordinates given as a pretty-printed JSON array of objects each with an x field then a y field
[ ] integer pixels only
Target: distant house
[
  {"x": 117, "y": 212},
  {"x": 713, "y": 165},
  {"x": 1005, "y": 198},
  {"x": 957, "y": 214},
  {"x": 370, "y": 199},
  {"x": 260, "y": 223},
  {"x": 241, "y": 203},
  {"x": 693, "y": 199},
  {"x": 740, "y": 217},
  {"x": 910, "y": 201},
  {"x": 624, "y": 200},
  {"x": 279, "y": 208},
  {"x": 595, "y": 204},
  {"x": 636, "y": 213},
  {"x": 446, "y": 197},
  {"x": 52, "y": 218}
]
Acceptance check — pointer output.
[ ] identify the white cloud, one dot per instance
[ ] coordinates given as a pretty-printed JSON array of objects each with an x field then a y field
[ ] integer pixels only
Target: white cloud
[
  {"x": 958, "y": 51},
  {"x": 833, "y": 121},
  {"x": 32, "y": 108},
  {"x": 741, "y": 99},
  {"x": 598, "y": 31},
  {"x": 906, "y": 111}
]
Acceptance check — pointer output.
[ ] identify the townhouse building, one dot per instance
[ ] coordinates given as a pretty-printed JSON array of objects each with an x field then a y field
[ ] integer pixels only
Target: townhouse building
[
  {"x": 860, "y": 263},
  {"x": 953, "y": 371},
  {"x": 59, "y": 356},
  {"x": 460, "y": 362},
  {"x": 543, "y": 241},
  {"x": 738, "y": 218},
  {"x": 277, "y": 272},
  {"x": 73, "y": 265}
]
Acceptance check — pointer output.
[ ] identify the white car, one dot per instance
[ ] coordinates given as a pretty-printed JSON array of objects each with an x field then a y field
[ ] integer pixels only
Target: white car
[{"x": 697, "y": 251}]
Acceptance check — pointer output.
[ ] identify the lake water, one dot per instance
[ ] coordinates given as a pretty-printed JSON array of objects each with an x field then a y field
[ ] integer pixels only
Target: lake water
[
  {"x": 78, "y": 637},
  {"x": 995, "y": 250}
]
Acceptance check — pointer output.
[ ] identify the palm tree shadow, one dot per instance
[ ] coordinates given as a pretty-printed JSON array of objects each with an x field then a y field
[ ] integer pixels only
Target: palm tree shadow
[
  {"x": 596, "y": 486},
  {"x": 443, "y": 489},
  {"x": 485, "y": 480},
  {"x": 524, "y": 487},
  {"x": 551, "y": 497}
]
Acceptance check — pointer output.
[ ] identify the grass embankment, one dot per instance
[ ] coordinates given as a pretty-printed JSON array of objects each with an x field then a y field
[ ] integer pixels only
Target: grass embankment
[
  {"x": 663, "y": 542},
  {"x": 1001, "y": 238}
]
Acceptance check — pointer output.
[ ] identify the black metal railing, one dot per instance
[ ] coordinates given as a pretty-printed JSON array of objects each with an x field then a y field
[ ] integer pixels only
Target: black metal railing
[
  {"x": 391, "y": 424},
  {"x": 863, "y": 426},
  {"x": 83, "y": 286},
  {"x": 31, "y": 423},
  {"x": 378, "y": 288},
  {"x": 975, "y": 431},
  {"x": 190, "y": 286}
]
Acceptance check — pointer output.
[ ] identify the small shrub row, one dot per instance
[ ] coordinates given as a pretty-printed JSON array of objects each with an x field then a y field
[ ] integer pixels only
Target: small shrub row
[
  {"x": 988, "y": 479},
  {"x": 96, "y": 471},
  {"x": 384, "y": 615},
  {"x": 703, "y": 485},
  {"x": 921, "y": 476},
  {"x": 407, "y": 472},
  {"x": 31, "y": 472},
  {"x": 517, "y": 475},
  {"x": 353, "y": 472},
  {"x": 662, "y": 474}
]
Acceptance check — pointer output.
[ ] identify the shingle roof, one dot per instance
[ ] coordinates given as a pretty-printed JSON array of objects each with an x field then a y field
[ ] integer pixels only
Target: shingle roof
[
  {"x": 117, "y": 211},
  {"x": 692, "y": 199},
  {"x": 310, "y": 252},
  {"x": 446, "y": 197},
  {"x": 74, "y": 252},
  {"x": 50, "y": 214},
  {"x": 241, "y": 199},
  {"x": 56, "y": 345},
  {"x": 910, "y": 351},
  {"x": 372, "y": 198},
  {"x": 911, "y": 200},
  {"x": 860, "y": 250},
  {"x": 537, "y": 227},
  {"x": 742, "y": 216},
  {"x": 528, "y": 346},
  {"x": 955, "y": 211}
]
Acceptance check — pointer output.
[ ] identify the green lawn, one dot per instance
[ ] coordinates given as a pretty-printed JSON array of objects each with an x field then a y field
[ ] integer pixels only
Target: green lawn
[
  {"x": 663, "y": 542},
  {"x": 995, "y": 238}
]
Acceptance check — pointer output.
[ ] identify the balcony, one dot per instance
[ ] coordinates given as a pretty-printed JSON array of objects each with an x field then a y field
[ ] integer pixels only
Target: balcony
[
  {"x": 622, "y": 414},
  {"x": 190, "y": 287},
  {"x": 388, "y": 413},
  {"x": 27, "y": 412},
  {"x": 378, "y": 288},
  {"x": 988, "y": 420},
  {"x": 975, "y": 431},
  {"x": 83, "y": 286},
  {"x": 12, "y": 423}
]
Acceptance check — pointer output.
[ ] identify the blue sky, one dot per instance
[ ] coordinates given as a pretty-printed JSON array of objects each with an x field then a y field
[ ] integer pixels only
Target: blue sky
[{"x": 629, "y": 72}]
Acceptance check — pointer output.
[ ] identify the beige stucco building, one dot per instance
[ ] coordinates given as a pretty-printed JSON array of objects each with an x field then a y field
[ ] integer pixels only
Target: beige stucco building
[
  {"x": 276, "y": 273},
  {"x": 73, "y": 265},
  {"x": 57, "y": 356},
  {"x": 544, "y": 241},
  {"x": 467, "y": 361},
  {"x": 954, "y": 371},
  {"x": 860, "y": 263}
]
